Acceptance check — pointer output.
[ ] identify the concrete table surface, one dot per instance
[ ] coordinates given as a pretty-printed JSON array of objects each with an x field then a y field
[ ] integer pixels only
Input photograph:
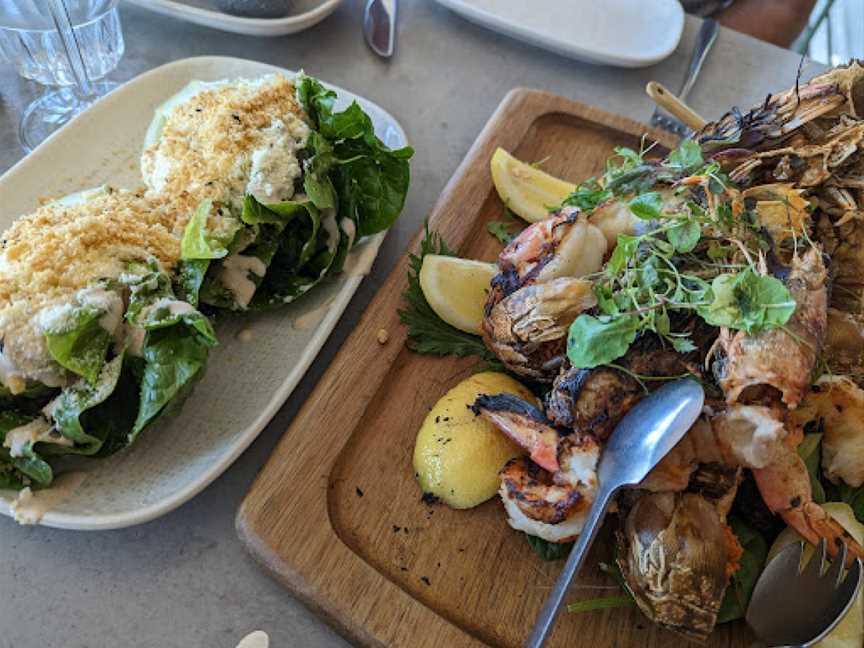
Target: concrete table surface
[{"x": 184, "y": 580}]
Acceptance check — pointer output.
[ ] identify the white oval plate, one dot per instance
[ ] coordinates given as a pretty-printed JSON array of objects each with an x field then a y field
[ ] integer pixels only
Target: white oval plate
[
  {"x": 305, "y": 14},
  {"x": 246, "y": 382},
  {"x": 626, "y": 33}
]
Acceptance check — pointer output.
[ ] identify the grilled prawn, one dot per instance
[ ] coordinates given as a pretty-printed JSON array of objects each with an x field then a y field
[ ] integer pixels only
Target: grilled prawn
[
  {"x": 595, "y": 400},
  {"x": 549, "y": 493},
  {"x": 781, "y": 359},
  {"x": 757, "y": 438},
  {"x": 538, "y": 292}
]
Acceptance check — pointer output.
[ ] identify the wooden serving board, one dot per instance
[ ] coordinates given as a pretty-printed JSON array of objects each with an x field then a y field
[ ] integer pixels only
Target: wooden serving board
[{"x": 336, "y": 514}]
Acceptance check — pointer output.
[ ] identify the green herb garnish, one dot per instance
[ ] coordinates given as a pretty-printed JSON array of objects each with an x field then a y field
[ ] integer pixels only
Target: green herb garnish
[
  {"x": 684, "y": 261},
  {"x": 500, "y": 231}
]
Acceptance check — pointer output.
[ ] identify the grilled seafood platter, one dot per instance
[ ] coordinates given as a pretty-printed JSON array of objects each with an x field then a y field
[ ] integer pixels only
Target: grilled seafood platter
[{"x": 737, "y": 258}]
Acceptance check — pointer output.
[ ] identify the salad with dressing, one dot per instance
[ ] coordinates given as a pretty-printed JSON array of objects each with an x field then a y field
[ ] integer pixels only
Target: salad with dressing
[{"x": 255, "y": 190}]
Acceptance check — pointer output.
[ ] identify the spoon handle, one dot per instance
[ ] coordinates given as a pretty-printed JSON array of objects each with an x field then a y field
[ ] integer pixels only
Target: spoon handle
[{"x": 574, "y": 561}]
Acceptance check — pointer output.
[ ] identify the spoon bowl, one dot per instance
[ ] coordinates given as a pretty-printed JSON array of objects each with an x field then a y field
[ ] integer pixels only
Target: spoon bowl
[{"x": 795, "y": 606}]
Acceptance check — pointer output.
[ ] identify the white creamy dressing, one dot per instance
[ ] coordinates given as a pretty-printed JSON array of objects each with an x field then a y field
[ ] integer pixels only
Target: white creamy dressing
[
  {"x": 59, "y": 318},
  {"x": 328, "y": 222},
  {"x": 350, "y": 230},
  {"x": 311, "y": 318},
  {"x": 135, "y": 340},
  {"x": 30, "y": 507},
  {"x": 36, "y": 431},
  {"x": 235, "y": 276},
  {"x": 257, "y": 639},
  {"x": 173, "y": 306},
  {"x": 359, "y": 262}
]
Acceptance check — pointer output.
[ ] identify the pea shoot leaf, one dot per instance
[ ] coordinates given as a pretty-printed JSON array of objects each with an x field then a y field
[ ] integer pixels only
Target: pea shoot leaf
[
  {"x": 647, "y": 206},
  {"x": 687, "y": 157},
  {"x": 747, "y": 301},
  {"x": 594, "y": 341},
  {"x": 685, "y": 236}
]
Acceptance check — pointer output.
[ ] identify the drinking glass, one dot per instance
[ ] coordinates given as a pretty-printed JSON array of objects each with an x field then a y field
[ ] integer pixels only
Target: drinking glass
[{"x": 68, "y": 44}]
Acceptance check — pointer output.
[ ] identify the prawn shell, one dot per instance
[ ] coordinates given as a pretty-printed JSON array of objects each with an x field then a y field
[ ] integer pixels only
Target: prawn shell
[
  {"x": 782, "y": 359},
  {"x": 527, "y": 330},
  {"x": 672, "y": 551}
]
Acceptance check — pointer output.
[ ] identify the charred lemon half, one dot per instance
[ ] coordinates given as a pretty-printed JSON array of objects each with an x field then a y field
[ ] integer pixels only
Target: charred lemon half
[{"x": 458, "y": 455}]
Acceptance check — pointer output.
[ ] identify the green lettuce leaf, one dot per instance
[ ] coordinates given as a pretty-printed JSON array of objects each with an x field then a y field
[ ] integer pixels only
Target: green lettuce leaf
[
  {"x": 189, "y": 278},
  {"x": 369, "y": 180},
  {"x": 198, "y": 242},
  {"x": 16, "y": 471},
  {"x": 69, "y": 407},
  {"x": 174, "y": 358},
  {"x": 295, "y": 241},
  {"x": 82, "y": 345},
  {"x": 176, "y": 344}
]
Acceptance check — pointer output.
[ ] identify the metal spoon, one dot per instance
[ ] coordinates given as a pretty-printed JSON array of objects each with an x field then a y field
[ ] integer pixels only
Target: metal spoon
[
  {"x": 642, "y": 438},
  {"x": 791, "y": 606}
]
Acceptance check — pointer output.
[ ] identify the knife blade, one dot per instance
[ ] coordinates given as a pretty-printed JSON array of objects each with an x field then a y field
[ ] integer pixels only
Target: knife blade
[{"x": 379, "y": 26}]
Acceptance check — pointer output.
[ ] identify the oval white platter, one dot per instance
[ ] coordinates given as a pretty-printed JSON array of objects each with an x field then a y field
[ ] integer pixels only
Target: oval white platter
[
  {"x": 625, "y": 33},
  {"x": 248, "y": 376},
  {"x": 305, "y": 14}
]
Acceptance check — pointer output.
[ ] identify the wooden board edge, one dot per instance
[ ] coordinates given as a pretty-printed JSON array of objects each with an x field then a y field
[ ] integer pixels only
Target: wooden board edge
[
  {"x": 272, "y": 564},
  {"x": 304, "y": 581}
]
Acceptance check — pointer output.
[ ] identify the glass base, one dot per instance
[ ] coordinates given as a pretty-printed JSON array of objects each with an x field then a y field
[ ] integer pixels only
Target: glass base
[{"x": 52, "y": 110}]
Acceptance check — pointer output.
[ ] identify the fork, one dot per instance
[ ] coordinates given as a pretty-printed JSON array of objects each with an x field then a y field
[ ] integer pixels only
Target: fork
[
  {"x": 704, "y": 42},
  {"x": 794, "y": 607}
]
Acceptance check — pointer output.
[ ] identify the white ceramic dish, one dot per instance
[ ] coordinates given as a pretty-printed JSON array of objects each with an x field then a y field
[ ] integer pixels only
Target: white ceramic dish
[
  {"x": 626, "y": 33},
  {"x": 305, "y": 14},
  {"x": 246, "y": 380}
]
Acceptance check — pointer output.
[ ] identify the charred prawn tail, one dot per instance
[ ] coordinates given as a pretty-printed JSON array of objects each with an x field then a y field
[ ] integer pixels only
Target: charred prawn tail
[
  {"x": 524, "y": 424},
  {"x": 780, "y": 116},
  {"x": 593, "y": 400}
]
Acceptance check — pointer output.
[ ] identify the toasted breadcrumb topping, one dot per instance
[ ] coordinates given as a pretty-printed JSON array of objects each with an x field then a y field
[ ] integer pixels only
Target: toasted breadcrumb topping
[
  {"x": 49, "y": 255},
  {"x": 214, "y": 145},
  {"x": 60, "y": 248}
]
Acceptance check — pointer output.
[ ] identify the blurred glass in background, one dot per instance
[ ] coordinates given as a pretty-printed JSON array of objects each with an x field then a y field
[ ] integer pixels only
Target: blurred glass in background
[{"x": 67, "y": 44}]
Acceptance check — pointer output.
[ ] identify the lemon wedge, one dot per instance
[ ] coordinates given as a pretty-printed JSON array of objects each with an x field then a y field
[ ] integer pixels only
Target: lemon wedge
[
  {"x": 456, "y": 289},
  {"x": 527, "y": 191}
]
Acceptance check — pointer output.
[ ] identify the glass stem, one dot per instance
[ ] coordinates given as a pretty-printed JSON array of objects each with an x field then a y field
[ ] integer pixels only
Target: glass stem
[{"x": 63, "y": 24}]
